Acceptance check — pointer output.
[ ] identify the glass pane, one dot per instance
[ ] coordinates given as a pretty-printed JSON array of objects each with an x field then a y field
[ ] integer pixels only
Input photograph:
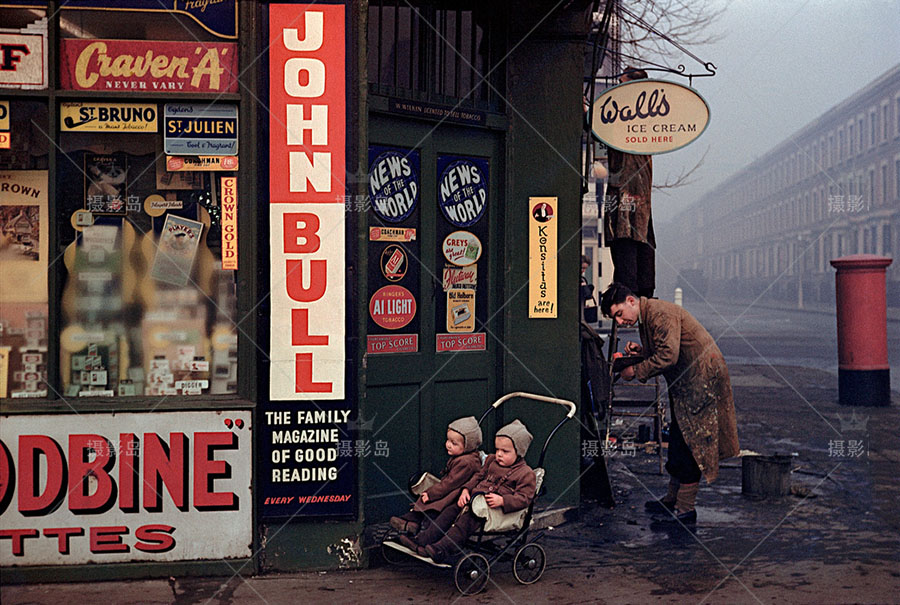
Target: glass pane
[
  {"x": 147, "y": 308},
  {"x": 24, "y": 248}
]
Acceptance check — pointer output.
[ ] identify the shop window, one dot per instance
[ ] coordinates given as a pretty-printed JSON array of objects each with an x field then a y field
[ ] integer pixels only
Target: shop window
[
  {"x": 147, "y": 307},
  {"x": 24, "y": 248}
]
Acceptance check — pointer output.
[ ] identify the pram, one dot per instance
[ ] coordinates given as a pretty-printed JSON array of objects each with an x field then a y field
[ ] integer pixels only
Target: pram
[{"x": 502, "y": 536}]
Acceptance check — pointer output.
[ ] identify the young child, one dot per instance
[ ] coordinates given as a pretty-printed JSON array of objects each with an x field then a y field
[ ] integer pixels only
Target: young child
[
  {"x": 463, "y": 441},
  {"x": 506, "y": 480}
]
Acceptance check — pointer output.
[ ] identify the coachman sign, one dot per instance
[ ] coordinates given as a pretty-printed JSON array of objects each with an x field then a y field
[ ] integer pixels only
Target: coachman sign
[{"x": 649, "y": 116}]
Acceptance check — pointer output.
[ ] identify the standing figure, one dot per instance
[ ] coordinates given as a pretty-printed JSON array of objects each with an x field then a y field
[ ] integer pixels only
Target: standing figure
[
  {"x": 627, "y": 220},
  {"x": 704, "y": 428}
]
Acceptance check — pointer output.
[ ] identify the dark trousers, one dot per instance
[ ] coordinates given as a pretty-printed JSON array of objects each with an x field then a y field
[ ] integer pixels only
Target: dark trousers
[
  {"x": 635, "y": 265},
  {"x": 449, "y": 531},
  {"x": 681, "y": 463}
]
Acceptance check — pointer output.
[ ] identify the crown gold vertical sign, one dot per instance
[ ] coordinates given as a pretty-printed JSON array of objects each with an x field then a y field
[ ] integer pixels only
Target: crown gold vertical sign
[{"x": 542, "y": 253}]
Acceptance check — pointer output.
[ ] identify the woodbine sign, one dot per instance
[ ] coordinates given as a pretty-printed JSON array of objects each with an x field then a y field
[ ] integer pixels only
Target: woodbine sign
[{"x": 649, "y": 116}]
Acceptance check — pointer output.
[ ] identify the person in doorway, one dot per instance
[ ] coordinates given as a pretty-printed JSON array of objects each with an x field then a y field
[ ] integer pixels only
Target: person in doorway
[
  {"x": 588, "y": 304},
  {"x": 627, "y": 220},
  {"x": 508, "y": 482},
  {"x": 463, "y": 441},
  {"x": 704, "y": 427}
]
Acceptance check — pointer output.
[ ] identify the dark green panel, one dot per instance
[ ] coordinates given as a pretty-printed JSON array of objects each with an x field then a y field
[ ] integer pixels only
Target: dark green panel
[
  {"x": 456, "y": 399},
  {"x": 395, "y": 412}
]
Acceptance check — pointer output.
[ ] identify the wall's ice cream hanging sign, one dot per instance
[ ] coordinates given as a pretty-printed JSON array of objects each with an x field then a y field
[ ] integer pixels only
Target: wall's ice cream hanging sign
[
  {"x": 392, "y": 307},
  {"x": 542, "y": 257},
  {"x": 394, "y": 184},
  {"x": 649, "y": 116},
  {"x": 462, "y": 248},
  {"x": 463, "y": 190}
]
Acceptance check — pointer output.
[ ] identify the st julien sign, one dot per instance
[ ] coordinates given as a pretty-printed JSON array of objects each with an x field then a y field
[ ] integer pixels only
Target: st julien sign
[{"x": 649, "y": 116}]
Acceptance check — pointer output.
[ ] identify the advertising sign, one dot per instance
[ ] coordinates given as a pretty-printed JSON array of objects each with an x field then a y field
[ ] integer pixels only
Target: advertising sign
[
  {"x": 204, "y": 163},
  {"x": 542, "y": 257},
  {"x": 200, "y": 129},
  {"x": 148, "y": 66},
  {"x": 25, "y": 227},
  {"x": 448, "y": 343},
  {"x": 391, "y": 234},
  {"x": 219, "y": 17},
  {"x": 113, "y": 488},
  {"x": 307, "y": 103},
  {"x": 392, "y": 307},
  {"x": 108, "y": 117},
  {"x": 394, "y": 184},
  {"x": 462, "y": 248},
  {"x": 229, "y": 223},
  {"x": 463, "y": 191},
  {"x": 649, "y": 116},
  {"x": 4, "y": 115},
  {"x": 23, "y": 61},
  {"x": 461, "y": 310}
]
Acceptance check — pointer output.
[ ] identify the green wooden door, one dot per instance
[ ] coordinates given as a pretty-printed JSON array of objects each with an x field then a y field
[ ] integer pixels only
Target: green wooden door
[{"x": 411, "y": 397}]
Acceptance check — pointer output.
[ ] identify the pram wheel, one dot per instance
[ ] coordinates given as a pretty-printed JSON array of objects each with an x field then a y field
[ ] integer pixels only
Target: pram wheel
[
  {"x": 471, "y": 573},
  {"x": 392, "y": 555},
  {"x": 529, "y": 563}
]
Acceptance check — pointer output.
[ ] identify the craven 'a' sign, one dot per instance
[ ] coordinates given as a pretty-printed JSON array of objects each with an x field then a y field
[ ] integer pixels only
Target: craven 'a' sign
[
  {"x": 649, "y": 116},
  {"x": 307, "y": 135},
  {"x": 148, "y": 66}
]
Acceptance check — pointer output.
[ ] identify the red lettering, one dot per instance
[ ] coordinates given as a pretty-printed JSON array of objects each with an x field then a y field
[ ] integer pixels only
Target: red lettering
[
  {"x": 207, "y": 469},
  {"x": 318, "y": 279},
  {"x": 81, "y": 468},
  {"x": 129, "y": 474},
  {"x": 303, "y": 382},
  {"x": 293, "y": 233},
  {"x": 154, "y": 538},
  {"x": 63, "y": 533},
  {"x": 18, "y": 538},
  {"x": 7, "y": 477},
  {"x": 165, "y": 464},
  {"x": 32, "y": 502},
  {"x": 300, "y": 330},
  {"x": 108, "y": 539}
]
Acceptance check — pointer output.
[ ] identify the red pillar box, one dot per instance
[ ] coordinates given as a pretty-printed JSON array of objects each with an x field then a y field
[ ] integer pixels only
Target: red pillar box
[{"x": 863, "y": 372}]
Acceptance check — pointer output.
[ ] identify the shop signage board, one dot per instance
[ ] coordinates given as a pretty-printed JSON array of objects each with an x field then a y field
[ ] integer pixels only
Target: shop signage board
[
  {"x": 200, "y": 129},
  {"x": 115, "y": 488},
  {"x": 542, "y": 257},
  {"x": 4, "y": 115},
  {"x": 393, "y": 268},
  {"x": 108, "y": 117},
  {"x": 23, "y": 59},
  {"x": 229, "y": 223},
  {"x": 148, "y": 66},
  {"x": 201, "y": 163},
  {"x": 646, "y": 117},
  {"x": 219, "y": 17},
  {"x": 307, "y": 171}
]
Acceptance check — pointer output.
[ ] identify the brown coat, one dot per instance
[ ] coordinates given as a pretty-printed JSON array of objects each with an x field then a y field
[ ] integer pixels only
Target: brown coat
[
  {"x": 515, "y": 483},
  {"x": 458, "y": 471},
  {"x": 628, "y": 216},
  {"x": 678, "y": 347}
]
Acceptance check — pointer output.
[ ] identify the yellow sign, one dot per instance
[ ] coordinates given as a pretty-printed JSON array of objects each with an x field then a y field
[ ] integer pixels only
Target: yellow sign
[
  {"x": 229, "y": 223},
  {"x": 542, "y": 253},
  {"x": 5, "y": 140},
  {"x": 461, "y": 310},
  {"x": 4, "y": 115},
  {"x": 108, "y": 117}
]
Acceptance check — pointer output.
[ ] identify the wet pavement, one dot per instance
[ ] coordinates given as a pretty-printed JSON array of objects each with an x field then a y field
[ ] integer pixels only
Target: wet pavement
[{"x": 837, "y": 540}]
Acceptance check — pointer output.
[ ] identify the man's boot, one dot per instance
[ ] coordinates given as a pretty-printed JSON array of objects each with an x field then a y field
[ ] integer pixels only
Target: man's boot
[
  {"x": 684, "y": 513},
  {"x": 665, "y": 504}
]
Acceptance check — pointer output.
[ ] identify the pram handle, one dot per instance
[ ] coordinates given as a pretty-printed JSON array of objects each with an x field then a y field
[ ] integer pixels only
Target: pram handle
[{"x": 564, "y": 402}]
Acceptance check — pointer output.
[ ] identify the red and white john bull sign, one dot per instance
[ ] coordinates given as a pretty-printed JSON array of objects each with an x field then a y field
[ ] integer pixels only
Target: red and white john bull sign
[
  {"x": 112, "y": 488},
  {"x": 306, "y": 188}
]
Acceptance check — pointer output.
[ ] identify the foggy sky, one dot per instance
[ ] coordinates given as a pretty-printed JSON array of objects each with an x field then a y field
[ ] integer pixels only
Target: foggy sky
[{"x": 781, "y": 64}]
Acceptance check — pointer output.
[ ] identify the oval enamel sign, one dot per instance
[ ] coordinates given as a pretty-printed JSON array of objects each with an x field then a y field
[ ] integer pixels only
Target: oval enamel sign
[
  {"x": 647, "y": 117},
  {"x": 393, "y": 186},
  {"x": 462, "y": 248},
  {"x": 392, "y": 307}
]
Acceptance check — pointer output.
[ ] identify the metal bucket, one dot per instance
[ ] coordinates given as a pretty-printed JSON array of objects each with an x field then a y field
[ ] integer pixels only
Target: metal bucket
[{"x": 766, "y": 476}]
